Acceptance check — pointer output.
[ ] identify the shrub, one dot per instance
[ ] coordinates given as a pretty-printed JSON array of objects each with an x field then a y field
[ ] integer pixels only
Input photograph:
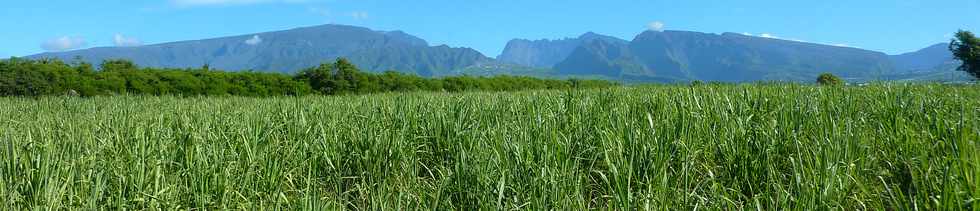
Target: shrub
[{"x": 828, "y": 79}]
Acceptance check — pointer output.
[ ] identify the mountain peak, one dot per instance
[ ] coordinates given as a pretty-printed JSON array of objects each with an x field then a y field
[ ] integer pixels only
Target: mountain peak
[
  {"x": 589, "y": 34},
  {"x": 546, "y": 53},
  {"x": 944, "y": 46},
  {"x": 407, "y": 38}
]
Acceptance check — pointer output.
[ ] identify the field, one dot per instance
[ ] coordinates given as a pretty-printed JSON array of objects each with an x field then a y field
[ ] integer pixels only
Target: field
[{"x": 729, "y": 147}]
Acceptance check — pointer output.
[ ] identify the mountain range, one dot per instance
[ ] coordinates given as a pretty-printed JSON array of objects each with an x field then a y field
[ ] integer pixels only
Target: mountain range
[
  {"x": 293, "y": 50},
  {"x": 684, "y": 55},
  {"x": 666, "y": 56}
]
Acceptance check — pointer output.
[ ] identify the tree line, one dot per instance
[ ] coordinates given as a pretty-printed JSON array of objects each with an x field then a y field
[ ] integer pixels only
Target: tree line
[{"x": 26, "y": 77}]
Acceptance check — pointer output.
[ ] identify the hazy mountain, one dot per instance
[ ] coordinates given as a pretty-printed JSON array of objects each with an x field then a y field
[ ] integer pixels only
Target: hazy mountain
[
  {"x": 293, "y": 50},
  {"x": 599, "y": 57},
  {"x": 683, "y": 55},
  {"x": 546, "y": 53},
  {"x": 942, "y": 73},
  {"x": 650, "y": 56},
  {"x": 924, "y": 60}
]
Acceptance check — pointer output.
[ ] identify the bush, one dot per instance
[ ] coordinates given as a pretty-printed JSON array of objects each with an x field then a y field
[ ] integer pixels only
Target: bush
[
  {"x": 24, "y": 77},
  {"x": 828, "y": 79}
]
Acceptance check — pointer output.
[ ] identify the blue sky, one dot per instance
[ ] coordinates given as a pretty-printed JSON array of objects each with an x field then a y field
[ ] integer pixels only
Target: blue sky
[{"x": 891, "y": 26}]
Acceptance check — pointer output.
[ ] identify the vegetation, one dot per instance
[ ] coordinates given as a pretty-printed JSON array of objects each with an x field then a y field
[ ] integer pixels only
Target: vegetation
[
  {"x": 828, "y": 79},
  {"x": 697, "y": 83},
  {"x": 966, "y": 48},
  {"x": 21, "y": 77},
  {"x": 342, "y": 77},
  {"x": 712, "y": 147}
]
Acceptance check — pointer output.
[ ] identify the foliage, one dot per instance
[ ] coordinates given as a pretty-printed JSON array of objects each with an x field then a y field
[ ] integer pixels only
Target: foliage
[
  {"x": 717, "y": 147},
  {"x": 966, "y": 48},
  {"x": 20, "y": 77},
  {"x": 697, "y": 83},
  {"x": 828, "y": 79},
  {"x": 342, "y": 77}
]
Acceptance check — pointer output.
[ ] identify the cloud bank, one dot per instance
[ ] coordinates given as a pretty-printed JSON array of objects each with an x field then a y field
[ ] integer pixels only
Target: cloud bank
[
  {"x": 122, "y": 41},
  {"x": 255, "y": 40},
  {"x": 655, "y": 26},
  {"x": 771, "y": 36},
  {"x": 63, "y": 43}
]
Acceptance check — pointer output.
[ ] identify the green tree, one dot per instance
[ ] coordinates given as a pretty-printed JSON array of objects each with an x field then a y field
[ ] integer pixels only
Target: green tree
[
  {"x": 966, "y": 48},
  {"x": 828, "y": 79},
  {"x": 320, "y": 78},
  {"x": 346, "y": 77},
  {"x": 118, "y": 65}
]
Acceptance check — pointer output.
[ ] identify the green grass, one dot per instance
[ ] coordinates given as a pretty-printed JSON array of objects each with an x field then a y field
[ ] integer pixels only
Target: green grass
[{"x": 724, "y": 147}]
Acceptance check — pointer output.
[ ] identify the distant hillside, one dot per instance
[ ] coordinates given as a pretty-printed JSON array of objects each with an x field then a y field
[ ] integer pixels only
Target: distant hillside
[
  {"x": 926, "y": 59},
  {"x": 599, "y": 57},
  {"x": 547, "y": 53},
  {"x": 683, "y": 55},
  {"x": 943, "y": 73},
  {"x": 292, "y": 50},
  {"x": 652, "y": 56}
]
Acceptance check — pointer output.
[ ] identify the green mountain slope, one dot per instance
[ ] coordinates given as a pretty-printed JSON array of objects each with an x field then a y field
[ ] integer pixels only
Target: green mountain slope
[
  {"x": 292, "y": 50},
  {"x": 683, "y": 55}
]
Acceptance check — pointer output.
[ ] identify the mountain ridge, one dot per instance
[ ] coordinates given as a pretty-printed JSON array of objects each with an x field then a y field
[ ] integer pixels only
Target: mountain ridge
[
  {"x": 545, "y": 53},
  {"x": 924, "y": 59},
  {"x": 671, "y": 55},
  {"x": 292, "y": 50},
  {"x": 688, "y": 55}
]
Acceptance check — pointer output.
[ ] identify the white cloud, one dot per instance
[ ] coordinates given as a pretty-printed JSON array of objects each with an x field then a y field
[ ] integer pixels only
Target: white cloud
[
  {"x": 122, "y": 41},
  {"x": 656, "y": 26},
  {"x": 360, "y": 15},
  {"x": 63, "y": 44},
  {"x": 255, "y": 40},
  {"x": 192, "y": 3},
  {"x": 771, "y": 36}
]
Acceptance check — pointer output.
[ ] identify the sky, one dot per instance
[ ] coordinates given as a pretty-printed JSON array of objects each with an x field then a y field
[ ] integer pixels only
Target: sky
[{"x": 890, "y": 26}]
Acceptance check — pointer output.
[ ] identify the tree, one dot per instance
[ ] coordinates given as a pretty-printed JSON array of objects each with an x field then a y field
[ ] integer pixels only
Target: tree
[
  {"x": 118, "y": 65},
  {"x": 828, "y": 79},
  {"x": 320, "y": 78},
  {"x": 346, "y": 76},
  {"x": 966, "y": 48}
]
